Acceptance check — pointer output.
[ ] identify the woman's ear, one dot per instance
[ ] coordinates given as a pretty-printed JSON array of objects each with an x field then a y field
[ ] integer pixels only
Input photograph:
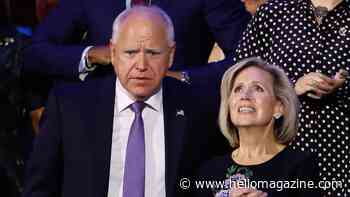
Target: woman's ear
[{"x": 278, "y": 110}]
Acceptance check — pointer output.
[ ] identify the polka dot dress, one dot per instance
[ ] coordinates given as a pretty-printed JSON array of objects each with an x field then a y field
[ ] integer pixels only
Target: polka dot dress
[{"x": 286, "y": 33}]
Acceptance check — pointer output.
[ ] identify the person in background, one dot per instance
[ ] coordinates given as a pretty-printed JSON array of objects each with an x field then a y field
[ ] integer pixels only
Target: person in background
[
  {"x": 80, "y": 31},
  {"x": 16, "y": 131},
  {"x": 251, "y": 6},
  {"x": 259, "y": 118},
  {"x": 42, "y": 83},
  {"x": 22, "y": 96},
  {"x": 310, "y": 41},
  {"x": 137, "y": 134}
]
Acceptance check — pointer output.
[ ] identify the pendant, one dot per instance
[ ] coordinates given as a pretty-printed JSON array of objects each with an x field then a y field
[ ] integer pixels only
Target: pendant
[{"x": 343, "y": 31}]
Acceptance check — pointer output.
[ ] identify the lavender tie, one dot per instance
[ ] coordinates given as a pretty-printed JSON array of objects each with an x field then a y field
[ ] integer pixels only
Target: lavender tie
[{"x": 134, "y": 170}]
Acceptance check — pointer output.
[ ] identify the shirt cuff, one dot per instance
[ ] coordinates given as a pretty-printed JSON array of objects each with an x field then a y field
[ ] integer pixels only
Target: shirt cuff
[{"x": 83, "y": 69}]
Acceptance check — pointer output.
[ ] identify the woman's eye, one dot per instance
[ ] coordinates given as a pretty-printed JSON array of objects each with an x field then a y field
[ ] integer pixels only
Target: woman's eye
[
  {"x": 259, "y": 88},
  {"x": 237, "y": 89}
]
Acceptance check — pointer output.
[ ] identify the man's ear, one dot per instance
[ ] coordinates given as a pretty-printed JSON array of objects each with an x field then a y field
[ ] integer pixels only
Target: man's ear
[
  {"x": 112, "y": 48},
  {"x": 172, "y": 54}
]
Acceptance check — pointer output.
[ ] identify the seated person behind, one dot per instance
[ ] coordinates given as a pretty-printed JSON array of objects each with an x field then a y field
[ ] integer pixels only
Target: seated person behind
[{"x": 259, "y": 117}]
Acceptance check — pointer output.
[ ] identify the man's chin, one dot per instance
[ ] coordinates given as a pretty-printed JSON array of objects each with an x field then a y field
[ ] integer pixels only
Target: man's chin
[
  {"x": 142, "y": 90},
  {"x": 142, "y": 94}
]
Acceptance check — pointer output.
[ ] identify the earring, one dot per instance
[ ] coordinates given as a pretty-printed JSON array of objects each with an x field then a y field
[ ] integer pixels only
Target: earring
[{"x": 277, "y": 116}]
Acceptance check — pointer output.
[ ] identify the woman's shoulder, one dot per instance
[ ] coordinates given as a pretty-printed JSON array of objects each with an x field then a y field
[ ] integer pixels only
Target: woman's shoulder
[
  {"x": 299, "y": 161},
  {"x": 215, "y": 167}
]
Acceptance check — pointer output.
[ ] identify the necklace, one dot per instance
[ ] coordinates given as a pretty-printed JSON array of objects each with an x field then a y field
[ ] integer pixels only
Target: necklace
[{"x": 320, "y": 12}]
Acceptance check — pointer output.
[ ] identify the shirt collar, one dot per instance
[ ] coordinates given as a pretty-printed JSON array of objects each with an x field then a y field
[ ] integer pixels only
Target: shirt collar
[{"x": 124, "y": 99}]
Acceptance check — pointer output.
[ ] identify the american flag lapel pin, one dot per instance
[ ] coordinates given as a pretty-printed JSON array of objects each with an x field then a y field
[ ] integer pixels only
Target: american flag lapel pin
[{"x": 180, "y": 112}]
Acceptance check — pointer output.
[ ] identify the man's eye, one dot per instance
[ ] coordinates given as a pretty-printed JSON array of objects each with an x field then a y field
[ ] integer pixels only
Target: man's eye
[
  {"x": 130, "y": 53},
  {"x": 153, "y": 53}
]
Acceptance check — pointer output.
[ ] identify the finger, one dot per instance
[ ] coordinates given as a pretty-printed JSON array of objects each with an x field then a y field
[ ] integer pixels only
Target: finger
[
  {"x": 314, "y": 96},
  {"x": 326, "y": 87},
  {"x": 341, "y": 74},
  {"x": 318, "y": 77},
  {"x": 317, "y": 90},
  {"x": 329, "y": 88},
  {"x": 320, "y": 87},
  {"x": 323, "y": 78},
  {"x": 339, "y": 82}
]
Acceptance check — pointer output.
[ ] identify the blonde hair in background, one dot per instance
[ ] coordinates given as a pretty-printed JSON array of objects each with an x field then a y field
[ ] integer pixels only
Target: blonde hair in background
[{"x": 285, "y": 128}]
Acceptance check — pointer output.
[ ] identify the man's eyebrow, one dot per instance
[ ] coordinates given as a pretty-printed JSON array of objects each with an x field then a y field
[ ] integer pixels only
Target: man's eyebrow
[
  {"x": 153, "y": 50},
  {"x": 131, "y": 50}
]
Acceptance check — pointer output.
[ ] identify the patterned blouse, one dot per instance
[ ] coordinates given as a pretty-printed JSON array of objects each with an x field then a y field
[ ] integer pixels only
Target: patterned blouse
[{"x": 286, "y": 33}]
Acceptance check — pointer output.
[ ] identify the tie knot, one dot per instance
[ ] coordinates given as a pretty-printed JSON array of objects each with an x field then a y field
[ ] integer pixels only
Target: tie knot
[{"x": 137, "y": 107}]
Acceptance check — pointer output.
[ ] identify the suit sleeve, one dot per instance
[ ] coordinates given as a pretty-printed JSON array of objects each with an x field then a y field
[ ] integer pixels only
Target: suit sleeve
[
  {"x": 226, "y": 19},
  {"x": 55, "y": 49},
  {"x": 43, "y": 173}
]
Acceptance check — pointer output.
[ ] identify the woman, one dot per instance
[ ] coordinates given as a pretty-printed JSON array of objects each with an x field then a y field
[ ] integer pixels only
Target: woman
[
  {"x": 310, "y": 40},
  {"x": 258, "y": 116}
]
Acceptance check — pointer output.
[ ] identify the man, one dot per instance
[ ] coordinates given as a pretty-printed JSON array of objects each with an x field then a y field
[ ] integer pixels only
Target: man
[
  {"x": 92, "y": 145},
  {"x": 61, "y": 45}
]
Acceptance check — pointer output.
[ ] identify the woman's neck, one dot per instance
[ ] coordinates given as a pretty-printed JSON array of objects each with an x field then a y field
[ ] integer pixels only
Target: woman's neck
[
  {"x": 256, "y": 146},
  {"x": 329, "y": 4}
]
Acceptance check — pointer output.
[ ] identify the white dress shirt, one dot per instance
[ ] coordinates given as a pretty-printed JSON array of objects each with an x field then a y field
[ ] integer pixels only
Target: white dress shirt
[
  {"x": 83, "y": 70},
  {"x": 154, "y": 143}
]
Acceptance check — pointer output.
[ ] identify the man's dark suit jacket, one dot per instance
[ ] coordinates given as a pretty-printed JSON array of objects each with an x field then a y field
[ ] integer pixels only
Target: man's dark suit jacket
[
  {"x": 71, "y": 155},
  {"x": 57, "y": 45}
]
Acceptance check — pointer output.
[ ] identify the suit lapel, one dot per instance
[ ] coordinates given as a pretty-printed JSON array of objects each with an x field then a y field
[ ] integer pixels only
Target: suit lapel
[
  {"x": 101, "y": 134},
  {"x": 174, "y": 132}
]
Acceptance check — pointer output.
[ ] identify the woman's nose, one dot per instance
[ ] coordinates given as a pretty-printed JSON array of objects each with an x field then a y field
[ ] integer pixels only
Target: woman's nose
[{"x": 246, "y": 94}]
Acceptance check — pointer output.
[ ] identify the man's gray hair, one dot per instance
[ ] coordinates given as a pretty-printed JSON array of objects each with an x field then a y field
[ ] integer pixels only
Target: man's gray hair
[
  {"x": 139, "y": 9},
  {"x": 285, "y": 128}
]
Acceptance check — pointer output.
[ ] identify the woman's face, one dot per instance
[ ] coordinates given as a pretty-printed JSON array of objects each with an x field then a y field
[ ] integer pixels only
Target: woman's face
[{"x": 252, "y": 100}]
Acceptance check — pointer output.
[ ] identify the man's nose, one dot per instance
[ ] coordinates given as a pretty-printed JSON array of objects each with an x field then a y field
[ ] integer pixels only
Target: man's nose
[{"x": 142, "y": 62}]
